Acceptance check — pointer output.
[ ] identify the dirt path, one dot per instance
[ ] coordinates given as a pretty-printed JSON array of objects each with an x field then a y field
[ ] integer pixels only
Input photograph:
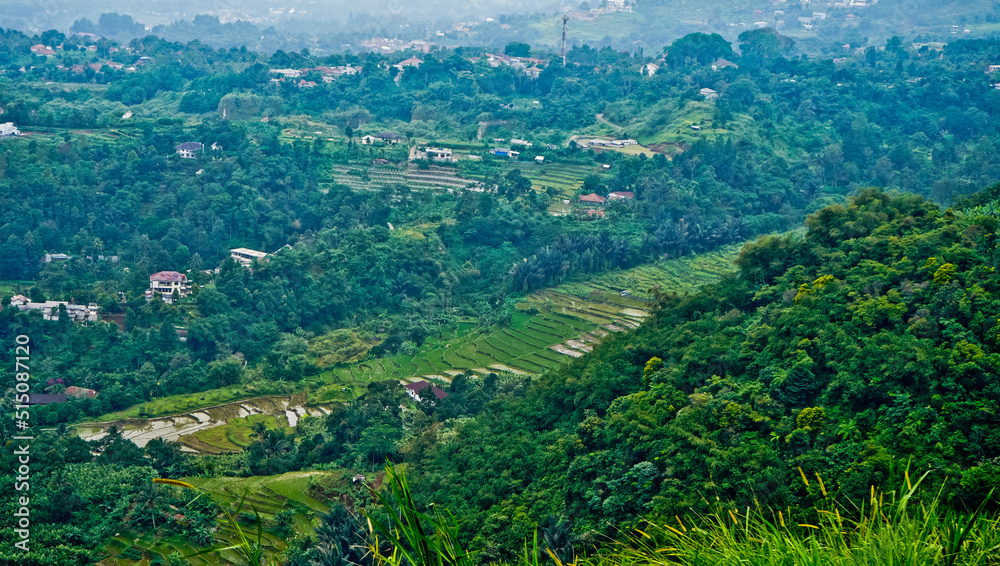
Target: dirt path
[{"x": 601, "y": 119}]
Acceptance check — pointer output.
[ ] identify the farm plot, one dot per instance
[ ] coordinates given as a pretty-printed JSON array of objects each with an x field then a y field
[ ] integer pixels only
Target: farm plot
[
  {"x": 304, "y": 493},
  {"x": 374, "y": 177},
  {"x": 550, "y": 327}
]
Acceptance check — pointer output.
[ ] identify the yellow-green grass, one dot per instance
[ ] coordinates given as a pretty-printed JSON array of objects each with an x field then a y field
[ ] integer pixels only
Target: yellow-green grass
[
  {"x": 273, "y": 492},
  {"x": 10, "y": 288},
  {"x": 234, "y": 435},
  {"x": 177, "y": 404},
  {"x": 267, "y": 495}
]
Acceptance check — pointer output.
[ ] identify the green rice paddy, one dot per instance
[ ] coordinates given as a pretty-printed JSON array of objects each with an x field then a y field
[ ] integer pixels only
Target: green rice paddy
[{"x": 305, "y": 493}]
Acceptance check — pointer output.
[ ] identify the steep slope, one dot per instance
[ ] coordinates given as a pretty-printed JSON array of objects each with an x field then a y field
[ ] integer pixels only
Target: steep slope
[{"x": 867, "y": 343}]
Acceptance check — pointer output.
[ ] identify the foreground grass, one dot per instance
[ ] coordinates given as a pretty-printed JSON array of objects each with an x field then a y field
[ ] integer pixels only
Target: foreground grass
[{"x": 890, "y": 529}]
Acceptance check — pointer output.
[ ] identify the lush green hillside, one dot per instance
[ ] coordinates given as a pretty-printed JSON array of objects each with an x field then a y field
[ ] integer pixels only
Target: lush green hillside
[{"x": 865, "y": 344}]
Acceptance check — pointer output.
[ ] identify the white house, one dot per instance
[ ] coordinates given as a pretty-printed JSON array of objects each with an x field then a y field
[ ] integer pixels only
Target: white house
[
  {"x": 8, "y": 129},
  {"x": 187, "y": 150},
  {"x": 439, "y": 154},
  {"x": 709, "y": 94},
  {"x": 164, "y": 283}
]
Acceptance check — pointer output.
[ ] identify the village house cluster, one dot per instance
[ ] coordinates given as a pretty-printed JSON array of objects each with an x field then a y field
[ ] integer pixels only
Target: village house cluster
[
  {"x": 592, "y": 204},
  {"x": 329, "y": 74},
  {"x": 50, "y": 309}
]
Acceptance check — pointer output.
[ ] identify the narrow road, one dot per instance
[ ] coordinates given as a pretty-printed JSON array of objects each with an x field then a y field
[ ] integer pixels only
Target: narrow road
[{"x": 600, "y": 118}]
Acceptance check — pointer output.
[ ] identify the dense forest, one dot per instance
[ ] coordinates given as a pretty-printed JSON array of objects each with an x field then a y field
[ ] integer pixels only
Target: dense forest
[{"x": 856, "y": 336}]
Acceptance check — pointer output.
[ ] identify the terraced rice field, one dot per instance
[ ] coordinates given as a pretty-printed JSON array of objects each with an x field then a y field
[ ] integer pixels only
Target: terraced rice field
[
  {"x": 564, "y": 178},
  {"x": 551, "y": 327},
  {"x": 268, "y": 495},
  {"x": 375, "y": 177},
  {"x": 213, "y": 430}
]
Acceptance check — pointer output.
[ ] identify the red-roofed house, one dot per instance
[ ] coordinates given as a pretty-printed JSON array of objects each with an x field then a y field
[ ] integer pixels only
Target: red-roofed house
[
  {"x": 414, "y": 389},
  {"x": 411, "y": 62},
  {"x": 42, "y": 50},
  {"x": 165, "y": 283},
  {"x": 591, "y": 200},
  {"x": 80, "y": 392}
]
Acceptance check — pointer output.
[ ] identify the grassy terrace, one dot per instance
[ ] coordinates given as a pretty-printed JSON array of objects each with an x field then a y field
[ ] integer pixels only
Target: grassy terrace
[
  {"x": 537, "y": 339},
  {"x": 550, "y": 326},
  {"x": 302, "y": 492}
]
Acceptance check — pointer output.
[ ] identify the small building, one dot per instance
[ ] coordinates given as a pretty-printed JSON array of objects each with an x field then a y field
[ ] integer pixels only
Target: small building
[
  {"x": 245, "y": 256},
  {"x": 709, "y": 94},
  {"x": 288, "y": 73},
  {"x": 414, "y": 389},
  {"x": 993, "y": 69},
  {"x": 80, "y": 392},
  {"x": 46, "y": 398},
  {"x": 42, "y": 50},
  {"x": 524, "y": 143},
  {"x": 389, "y": 137},
  {"x": 591, "y": 200},
  {"x": 723, "y": 64},
  {"x": 539, "y": 159},
  {"x": 368, "y": 140},
  {"x": 164, "y": 283},
  {"x": 188, "y": 150},
  {"x": 505, "y": 152},
  {"x": 439, "y": 154},
  {"x": 649, "y": 69},
  {"x": 533, "y": 71},
  {"x": 411, "y": 62},
  {"x": 621, "y": 195},
  {"x": 8, "y": 129},
  {"x": 49, "y": 258},
  {"x": 696, "y": 127}
]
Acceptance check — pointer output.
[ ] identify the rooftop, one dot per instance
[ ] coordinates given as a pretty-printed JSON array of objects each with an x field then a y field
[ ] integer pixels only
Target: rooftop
[{"x": 168, "y": 276}]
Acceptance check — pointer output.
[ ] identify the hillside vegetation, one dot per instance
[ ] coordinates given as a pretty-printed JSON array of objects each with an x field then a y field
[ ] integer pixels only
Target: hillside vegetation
[{"x": 867, "y": 343}]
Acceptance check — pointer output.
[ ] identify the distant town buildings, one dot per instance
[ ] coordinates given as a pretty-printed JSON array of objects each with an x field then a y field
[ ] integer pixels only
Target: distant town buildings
[{"x": 165, "y": 283}]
